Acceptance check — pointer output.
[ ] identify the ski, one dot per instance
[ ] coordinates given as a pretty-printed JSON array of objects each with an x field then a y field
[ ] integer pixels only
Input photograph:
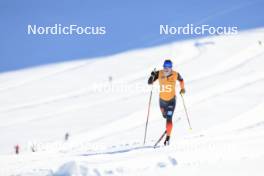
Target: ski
[{"x": 161, "y": 137}]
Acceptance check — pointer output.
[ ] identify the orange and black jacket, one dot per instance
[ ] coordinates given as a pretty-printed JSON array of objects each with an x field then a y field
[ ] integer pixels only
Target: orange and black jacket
[{"x": 167, "y": 83}]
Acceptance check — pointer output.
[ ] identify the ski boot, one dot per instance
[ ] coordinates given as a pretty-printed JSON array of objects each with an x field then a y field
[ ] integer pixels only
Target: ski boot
[{"x": 167, "y": 141}]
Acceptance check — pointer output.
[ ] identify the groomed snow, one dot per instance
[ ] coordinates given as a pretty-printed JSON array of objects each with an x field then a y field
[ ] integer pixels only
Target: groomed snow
[{"x": 224, "y": 94}]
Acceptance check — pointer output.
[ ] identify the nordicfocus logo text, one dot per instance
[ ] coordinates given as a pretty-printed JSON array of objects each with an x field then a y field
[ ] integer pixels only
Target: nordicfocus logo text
[
  {"x": 190, "y": 29},
  {"x": 59, "y": 29}
]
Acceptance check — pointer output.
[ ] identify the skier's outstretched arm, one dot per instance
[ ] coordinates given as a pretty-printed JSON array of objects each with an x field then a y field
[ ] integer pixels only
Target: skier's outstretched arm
[
  {"x": 154, "y": 76},
  {"x": 180, "y": 79}
]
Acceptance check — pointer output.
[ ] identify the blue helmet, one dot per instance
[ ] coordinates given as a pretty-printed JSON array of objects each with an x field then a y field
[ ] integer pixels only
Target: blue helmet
[{"x": 167, "y": 64}]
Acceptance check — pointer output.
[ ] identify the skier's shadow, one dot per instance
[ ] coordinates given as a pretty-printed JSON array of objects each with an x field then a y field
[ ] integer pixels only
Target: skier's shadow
[{"x": 119, "y": 151}]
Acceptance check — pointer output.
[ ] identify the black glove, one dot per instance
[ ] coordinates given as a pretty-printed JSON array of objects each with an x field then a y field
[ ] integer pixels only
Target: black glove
[
  {"x": 182, "y": 91},
  {"x": 154, "y": 75},
  {"x": 151, "y": 79}
]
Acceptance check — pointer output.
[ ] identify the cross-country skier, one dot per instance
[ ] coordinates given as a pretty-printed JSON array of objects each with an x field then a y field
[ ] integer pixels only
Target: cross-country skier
[
  {"x": 167, "y": 80},
  {"x": 17, "y": 149}
]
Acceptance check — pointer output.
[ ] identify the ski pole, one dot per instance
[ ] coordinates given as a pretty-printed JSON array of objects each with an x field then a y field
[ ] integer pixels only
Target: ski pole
[
  {"x": 146, "y": 127},
  {"x": 161, "y": 137},
  {"x": 186, "y": 112}
]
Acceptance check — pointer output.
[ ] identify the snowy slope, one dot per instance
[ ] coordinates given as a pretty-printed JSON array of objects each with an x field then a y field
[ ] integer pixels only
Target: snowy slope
[{"x": 224, "y": 80}]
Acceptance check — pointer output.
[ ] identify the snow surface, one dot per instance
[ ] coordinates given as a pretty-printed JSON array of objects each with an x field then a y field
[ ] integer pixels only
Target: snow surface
[{"x": 224, "y": 80}]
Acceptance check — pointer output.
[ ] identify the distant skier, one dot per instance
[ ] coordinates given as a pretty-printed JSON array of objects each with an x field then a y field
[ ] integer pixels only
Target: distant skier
[
  {"x": 17, "y": 149},
  {"x": 66, "y": 137},
  {"x": 167, "y": 80},
  {"x": 33, "y": 148}
]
